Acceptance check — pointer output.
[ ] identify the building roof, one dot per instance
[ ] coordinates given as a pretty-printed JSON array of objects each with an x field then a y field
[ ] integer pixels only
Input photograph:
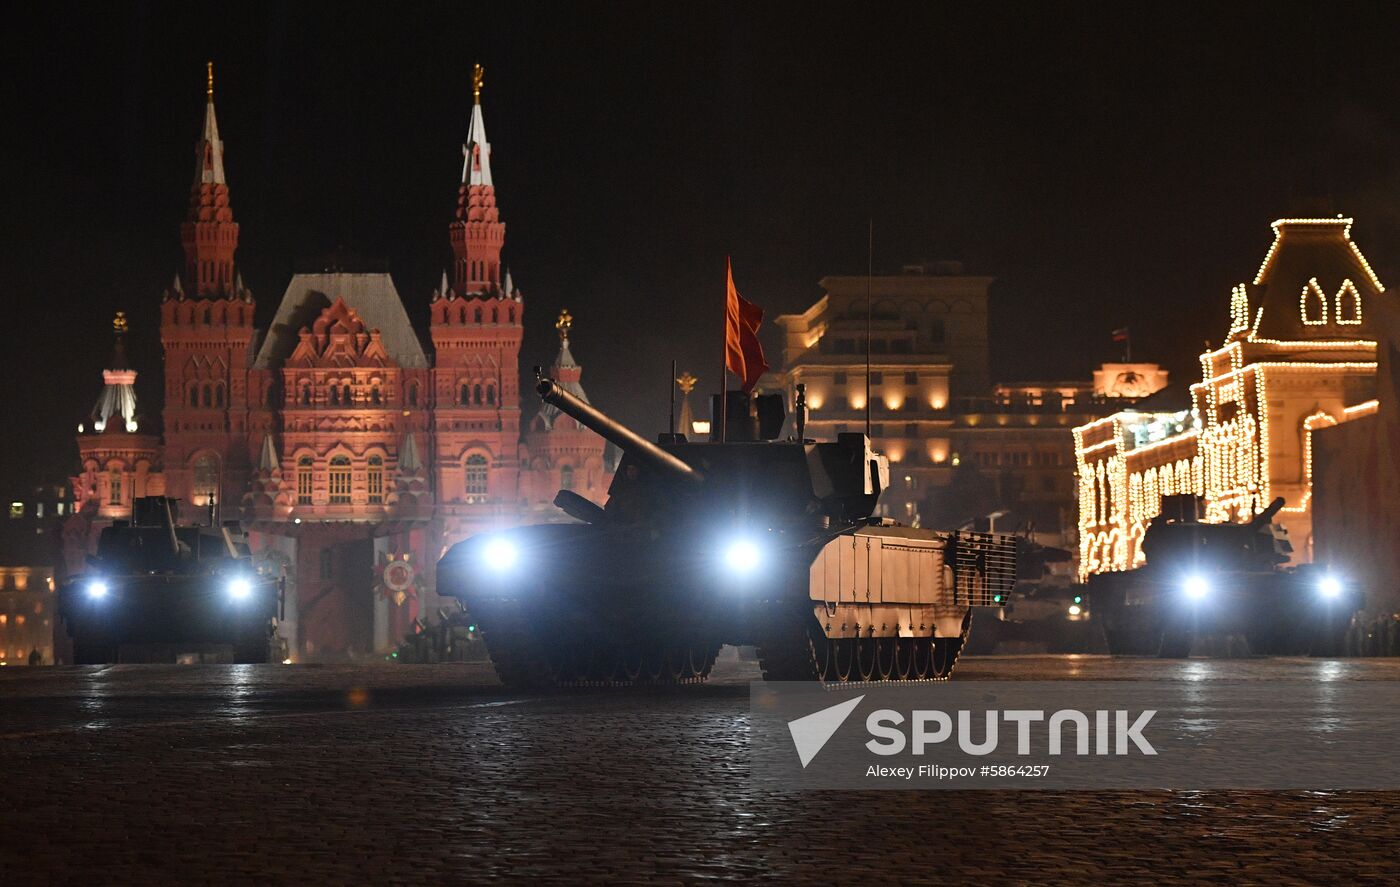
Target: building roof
[
  {"x": 1312, "y": 270},
  {"x": 371, "y": 295},
  {"x": 118, "y": 397},
  {"x": 566, "y": 374},
  {"x": 476, "y": 152},
  {"x": 209, "y": 164}
]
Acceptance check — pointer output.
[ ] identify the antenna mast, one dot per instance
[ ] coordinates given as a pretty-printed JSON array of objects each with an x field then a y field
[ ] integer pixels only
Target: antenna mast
[{"x": 869, "y": 273}]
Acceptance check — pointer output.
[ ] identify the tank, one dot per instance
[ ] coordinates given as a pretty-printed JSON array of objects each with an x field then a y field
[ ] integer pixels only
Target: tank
[
  {"x": 762, "y": 543},
  {"x": 1223, "y": 579},
  {"x": 157, "y": 591}
]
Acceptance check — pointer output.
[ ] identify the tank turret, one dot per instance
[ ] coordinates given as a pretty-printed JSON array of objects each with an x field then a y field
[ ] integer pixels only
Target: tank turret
[
  {"x": 1222, "y": 579},
  {"x": 156, "y": 590},
  {"x": 767, "y": 543},
  {"x": 790, "y": 482},
  {"x": 1177, "y": 538}
]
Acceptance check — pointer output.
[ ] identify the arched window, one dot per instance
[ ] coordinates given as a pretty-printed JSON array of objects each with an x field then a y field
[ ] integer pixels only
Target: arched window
[
  {"x": 478, "y": 315},
  {"x": 374, "y": 395},
  {"x": 510, "y": 315},
  {"x": 495, "y": 318},
  {"x": 375, "y": 478},
  {"x": 218, "y": 396},
  {"x": 340, "y": 480},
  {"x": 115, "y": 485},
  {"x": 476, "y": 394},
  {"x": 206, "y": 395},
  {"x": 491, "y": 395},
  {"x": 304, "y": 465},
  {"x": 206, "y": 479},
  {"x": 464, "y": 397},
  {"x": 476, "y": 478},
  {"x": 194, "y": 395},
  {"x": 335, "y": 395},
  {"x": 413, "y": 394},
  {"x": 1313, "y": 304},
  {"x": 1348, "y": 304},
  {"x": 346, "y": 394},
  {"x": 306, "y": 394},
  {"x": 566, "y": 477}
]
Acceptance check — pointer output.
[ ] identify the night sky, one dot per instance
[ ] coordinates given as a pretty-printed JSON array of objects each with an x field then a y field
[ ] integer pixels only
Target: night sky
[{"x": 1110, "y": 165}]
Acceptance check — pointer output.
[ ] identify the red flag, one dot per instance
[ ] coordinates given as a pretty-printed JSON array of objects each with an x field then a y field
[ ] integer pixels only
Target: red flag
[{"x": 743, "y": 354}]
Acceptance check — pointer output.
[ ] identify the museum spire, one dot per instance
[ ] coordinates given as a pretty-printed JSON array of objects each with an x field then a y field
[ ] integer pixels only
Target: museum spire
[
  {"x": 477, "y": 232},
  {"x": 209, "y": 234}
]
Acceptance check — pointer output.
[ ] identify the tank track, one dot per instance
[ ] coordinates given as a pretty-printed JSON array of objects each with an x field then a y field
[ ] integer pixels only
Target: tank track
[
  {"x": 794, "y": 648},
  {"x": 529, "y": 655}
]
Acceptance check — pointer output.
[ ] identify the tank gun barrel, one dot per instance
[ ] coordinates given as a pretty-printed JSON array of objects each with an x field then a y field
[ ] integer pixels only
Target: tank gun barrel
[
  {"x": 1268, "y": 514},
  {"x": 611, "y": 430}
]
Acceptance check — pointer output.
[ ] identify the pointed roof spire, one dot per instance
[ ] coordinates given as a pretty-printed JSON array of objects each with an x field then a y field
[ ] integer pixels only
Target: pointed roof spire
[
  {"x": 408, "y": 454},
  {"x": 209, "y": 168},
  {"x": 476, "y": 152},
  {"x": 177, "y": 288},
  {"x": 566, "y": 371},
  {"x": 267, "y": 458},
  {"x": 118, "y": 396},
  {"x": 510, "y": 284},
  {"x": 442, "y": 287}
]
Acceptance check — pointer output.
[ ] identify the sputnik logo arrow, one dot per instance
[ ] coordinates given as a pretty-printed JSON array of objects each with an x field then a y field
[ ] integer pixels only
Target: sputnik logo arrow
[{"x": 811, "y": 732}]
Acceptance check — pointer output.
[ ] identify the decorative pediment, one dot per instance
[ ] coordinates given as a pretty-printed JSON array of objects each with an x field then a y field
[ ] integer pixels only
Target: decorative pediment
[{"x": 338, "y": 338}]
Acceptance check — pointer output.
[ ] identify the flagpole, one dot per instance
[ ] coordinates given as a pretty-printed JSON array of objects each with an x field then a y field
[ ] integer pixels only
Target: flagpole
[{"x": 724, "y": 354}]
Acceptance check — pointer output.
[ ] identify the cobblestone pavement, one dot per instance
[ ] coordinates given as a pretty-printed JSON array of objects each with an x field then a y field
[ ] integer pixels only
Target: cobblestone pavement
[{"x": 373, "y": 774}]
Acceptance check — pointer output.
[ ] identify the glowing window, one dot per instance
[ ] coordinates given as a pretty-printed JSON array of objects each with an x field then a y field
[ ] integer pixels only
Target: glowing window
[
  {"x": 304, "y": 480},
  {"x": 206, "y": 479},
  {"x": 116, "y": 488},
  {"x": 476, "y": 478},
  {"x": 340, "y": 480},
  {"x": 566, "y": 477},
  {"x": 375, "y": 478}
]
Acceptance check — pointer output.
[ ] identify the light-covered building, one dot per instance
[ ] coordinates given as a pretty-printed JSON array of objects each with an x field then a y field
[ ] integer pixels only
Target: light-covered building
[{"x": 1299, "y": 354}]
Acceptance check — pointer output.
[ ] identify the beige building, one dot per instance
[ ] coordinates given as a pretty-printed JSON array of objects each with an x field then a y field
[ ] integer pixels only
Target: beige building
[
  {"x": 1299, "y": 355},
  {"x": 961, "y": 449}
]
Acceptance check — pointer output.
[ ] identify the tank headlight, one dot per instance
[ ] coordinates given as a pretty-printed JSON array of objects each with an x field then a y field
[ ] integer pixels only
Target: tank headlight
[
  {"x": 97, "y": 589},
  {"x": 1075, "y": 609},
  {"x": 1330, "y": 587},
  {"x": 742, "y": 556},
  {"x": 500, "y": 554},
  {"x": 240, "y": 589},
  {"x": 1196, "y": 588}
]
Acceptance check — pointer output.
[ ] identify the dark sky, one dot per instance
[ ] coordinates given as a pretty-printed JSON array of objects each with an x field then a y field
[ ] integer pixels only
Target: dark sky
[{"x": 1109, "y": 165}]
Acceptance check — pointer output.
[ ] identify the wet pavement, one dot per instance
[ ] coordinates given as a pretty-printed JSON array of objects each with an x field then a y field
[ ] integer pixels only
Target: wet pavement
[{"x": 372, "y": 774}]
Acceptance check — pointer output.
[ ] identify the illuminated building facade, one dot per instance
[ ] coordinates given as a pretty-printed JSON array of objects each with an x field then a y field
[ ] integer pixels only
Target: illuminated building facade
[
  {"x": 960, "y": 447},
  {"x": 30, "y": 554},
  {"x": 1299, "y": 355},
  {"x": 353, "y": 454}
]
